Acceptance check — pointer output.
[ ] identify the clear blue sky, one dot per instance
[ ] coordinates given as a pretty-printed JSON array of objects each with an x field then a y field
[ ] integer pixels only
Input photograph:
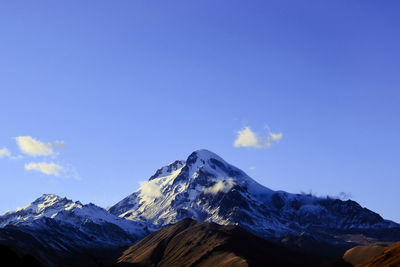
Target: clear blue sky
[{"x": 130, "y": 86}]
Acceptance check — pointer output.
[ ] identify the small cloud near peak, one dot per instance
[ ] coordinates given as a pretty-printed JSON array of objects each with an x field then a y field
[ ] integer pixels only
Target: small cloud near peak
[
  {"x": 221, "y": 186},
  {"x": 247, "y": 138}
]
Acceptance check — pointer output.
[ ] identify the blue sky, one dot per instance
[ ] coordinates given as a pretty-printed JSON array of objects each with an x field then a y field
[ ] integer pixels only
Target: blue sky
[{"x": 114, "y": 90}]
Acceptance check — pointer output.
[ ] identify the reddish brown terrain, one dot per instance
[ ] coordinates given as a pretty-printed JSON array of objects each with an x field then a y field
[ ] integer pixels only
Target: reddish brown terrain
[
  {"x": 390, "y": 257},
  {"x": 362, "y": 254},
  {"x": 191, "y": 243}
]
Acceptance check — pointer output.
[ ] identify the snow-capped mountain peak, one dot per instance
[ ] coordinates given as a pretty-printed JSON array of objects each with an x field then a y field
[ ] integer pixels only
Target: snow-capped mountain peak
[
  {"x": 67, "y": 211},
  {"x": 48, "y": 205},
  {"x": 203, "y": 173},
  {"x": 205, "y": 187},
  {"x": 62, "y": 227}
]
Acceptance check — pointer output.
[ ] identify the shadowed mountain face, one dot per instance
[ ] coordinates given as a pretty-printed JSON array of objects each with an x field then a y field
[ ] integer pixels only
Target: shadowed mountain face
[
  {"x": 206, "y": 188},
  {"x": 191, "y": 243}
]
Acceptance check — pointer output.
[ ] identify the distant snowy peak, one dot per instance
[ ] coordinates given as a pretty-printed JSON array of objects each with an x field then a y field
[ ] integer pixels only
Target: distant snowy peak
[
  {"x": 91, "y": 213},
  {"x": 63, "y": 227},
  {"x": 48, "y": 205},
  {"x": 69, "y": 212}
]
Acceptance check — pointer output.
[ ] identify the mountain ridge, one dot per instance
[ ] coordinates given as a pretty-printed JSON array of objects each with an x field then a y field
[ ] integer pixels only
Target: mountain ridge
[
  {"x": 61, "y": 232},
  {"x": 207, "y": 188}
]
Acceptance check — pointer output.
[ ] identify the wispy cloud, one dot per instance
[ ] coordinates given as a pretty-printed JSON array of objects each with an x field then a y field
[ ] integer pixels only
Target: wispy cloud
[
  {"x": 273, "y": 138},
  {"x": 46, "y": 168},
  {"x": 5, "y": 153},
  {"x": 247, "y": 138},
  {"x": 149, "y": 190},
  {"x": 220, "y": 186},
  {"x": 32, "y": 147}
]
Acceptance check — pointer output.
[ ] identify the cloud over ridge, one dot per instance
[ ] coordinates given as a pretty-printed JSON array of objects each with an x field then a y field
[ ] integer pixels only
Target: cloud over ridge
[
  {"x": 220, "y": 186},
  {"x": 150, "y": 190}
]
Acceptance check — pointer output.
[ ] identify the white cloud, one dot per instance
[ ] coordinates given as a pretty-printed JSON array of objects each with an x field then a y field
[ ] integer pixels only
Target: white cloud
[
  {"x": 220, "y": 186},
  {"x": 273, "y": 138},
  {"x": 149, "y": 190},
  {"x": 5, "y": 153},
  {"x": 33, "y": 147},
  {"x": 252, "y": 167},
  {"x": 247, "y": 138},
  {"x": 46, "y": 168}
]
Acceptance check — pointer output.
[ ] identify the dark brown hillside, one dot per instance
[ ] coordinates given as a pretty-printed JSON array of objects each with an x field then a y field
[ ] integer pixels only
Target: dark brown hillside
[
  {"x": 191, "y": 243},
  {"x": 9, "y": 258}
]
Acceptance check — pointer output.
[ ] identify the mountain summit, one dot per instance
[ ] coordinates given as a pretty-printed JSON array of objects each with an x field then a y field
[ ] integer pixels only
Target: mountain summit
[{"x": 206, "y": 188}]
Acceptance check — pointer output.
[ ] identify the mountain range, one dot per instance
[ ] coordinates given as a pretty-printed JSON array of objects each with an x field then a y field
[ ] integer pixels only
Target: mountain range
[{"x": 204, "y": 188}]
